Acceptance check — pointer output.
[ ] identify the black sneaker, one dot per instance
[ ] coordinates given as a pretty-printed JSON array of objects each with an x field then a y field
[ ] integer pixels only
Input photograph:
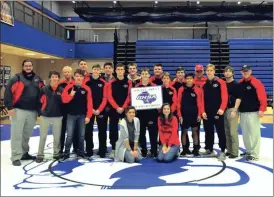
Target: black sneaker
[
  {"x": 227, "y": 154},
  {"x": 188, "y": 152},
  {"x": 39, "y": 160},
  {"x": 65, "y": 157},
  {"x": 183, "y": 153},
  {"x": 27, "y": 156},
  {"x": 251, "y": 158},
  {"x": 243, "y": 154},
  {"x": 16, "y": 163},
  {"x": 144, "y": 154},
  {"x": 82, "y": 156},
  {"x": 56, "y": 157},
  {"x": 196, "y": 153},
  {"x": 232, "y": 156}
]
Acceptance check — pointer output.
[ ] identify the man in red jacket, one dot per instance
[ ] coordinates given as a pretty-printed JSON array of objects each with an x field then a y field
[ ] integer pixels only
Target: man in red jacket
[
  {"x": 215, "y": 103},
  {"x": 252, "y": 108},
  {"x": 22, "y": 100},
  {"x": 79, "y": 99}
]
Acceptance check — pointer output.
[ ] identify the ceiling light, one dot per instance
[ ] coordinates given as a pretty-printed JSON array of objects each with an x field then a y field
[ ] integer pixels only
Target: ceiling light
[
  {"x": 31, "y": 54},
  {"x": 114, "y": 2},
  {"x": 45, "y": 57},
  {"x": 239, "y": 2},
  {"x": 198, "y": 2},
  {"x": 156, "y": 2},
  {"x": 73, "y": 1}
]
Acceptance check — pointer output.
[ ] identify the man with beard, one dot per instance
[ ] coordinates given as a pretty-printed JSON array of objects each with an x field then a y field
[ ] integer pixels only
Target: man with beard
[
  {"x": 22, "y": 100},
  {"x": 231, "y": 114}
]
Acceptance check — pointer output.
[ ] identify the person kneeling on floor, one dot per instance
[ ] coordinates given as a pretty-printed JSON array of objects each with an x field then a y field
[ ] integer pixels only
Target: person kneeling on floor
[
  {"x": 127, "y": 145},
  {"x": 168, "y": 126}
]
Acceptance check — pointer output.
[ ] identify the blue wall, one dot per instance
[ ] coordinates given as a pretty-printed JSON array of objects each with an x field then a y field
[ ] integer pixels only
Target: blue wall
[
  {"x": 94, "y": 50},
  {"x": 24, "y": 36}
]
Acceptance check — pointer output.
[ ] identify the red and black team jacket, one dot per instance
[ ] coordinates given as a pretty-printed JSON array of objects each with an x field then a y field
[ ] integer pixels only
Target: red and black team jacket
[
  {"x": 170, "y": 97},
  {"x": 215, "y": 96},
  {"x": 155, "y": 80},
  {"x": 99, "y": 88},
  {"x": 200, "y": 82},
  {"x": 189, "y": 101},
  {"x": 51, "y": 101},
  {"x": 81, "y": 102},
  {"x": 62, "y": 84},
  {"x": 23, "y": 93},
  {"x": 177, "y": 85},
  {"x": 253, "y": 95},
  {"x": 119, "y": 93}
]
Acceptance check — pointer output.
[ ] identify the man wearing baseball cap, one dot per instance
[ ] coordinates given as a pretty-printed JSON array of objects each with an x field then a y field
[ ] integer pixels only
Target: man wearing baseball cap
[
  {"x": 252, "y": 108},
  {"x": 199, "y": 79}
]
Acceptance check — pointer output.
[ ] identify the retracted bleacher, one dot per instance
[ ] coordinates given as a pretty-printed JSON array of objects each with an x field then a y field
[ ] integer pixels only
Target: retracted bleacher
[
  {"x": 172, "y": 53},
  {"x": 257, "y": 53}
]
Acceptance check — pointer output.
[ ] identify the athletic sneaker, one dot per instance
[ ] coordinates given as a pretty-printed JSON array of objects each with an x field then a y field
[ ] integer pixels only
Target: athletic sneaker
[
  {"x": 65, "y": 157},
  {"x": 227, "y": 154},
  {"x": 27, "y": 156},
  {"x": 209, "y": 153},
  {"x": 251, "y": 158},
  {"x": 243, "y": 154},
  {"x": 112, "y": 154},
  {"x": 232, "y": 156},
  {"x": 221, "y": 156},
  {"x": 39, "y": 159},
  {"x": 196, "y": 153},
  {"x": 16, "y": 163}
]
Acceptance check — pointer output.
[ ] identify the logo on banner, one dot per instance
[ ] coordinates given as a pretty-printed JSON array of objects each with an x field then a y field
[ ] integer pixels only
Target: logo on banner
[{"x": 146, "y": 97}]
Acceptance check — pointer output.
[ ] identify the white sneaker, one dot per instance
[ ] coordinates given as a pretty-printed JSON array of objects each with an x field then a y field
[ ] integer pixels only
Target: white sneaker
[
  {"x": 221, "y": 156},
  {"x": 112, "y": 154}
]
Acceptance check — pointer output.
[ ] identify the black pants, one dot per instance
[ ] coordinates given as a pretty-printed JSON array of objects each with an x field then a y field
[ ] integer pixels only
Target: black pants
[
  {"x": 114, "y": 118},
  {"x": 63, "y": 135},
  {"x": 218, "y": 122},
  {"x": 101, "y": 120},
  {"x": 150, "y": 123}
]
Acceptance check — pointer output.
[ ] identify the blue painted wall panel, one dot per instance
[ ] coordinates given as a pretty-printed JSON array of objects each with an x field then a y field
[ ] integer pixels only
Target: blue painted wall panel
[
  {"x": 94, "y": 50},
  {"x": 24, "y": 36}
]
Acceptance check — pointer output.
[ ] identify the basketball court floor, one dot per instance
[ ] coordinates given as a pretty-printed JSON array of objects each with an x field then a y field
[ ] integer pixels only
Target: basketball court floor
[{"x": 186, "y": 176}]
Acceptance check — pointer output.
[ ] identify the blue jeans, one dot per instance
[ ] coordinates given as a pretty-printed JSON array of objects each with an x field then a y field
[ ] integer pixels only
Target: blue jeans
[
  {"x": 73, "y": 120},
  {"x": 130, "y": 159},
  {"x": 170, "y": 155}
]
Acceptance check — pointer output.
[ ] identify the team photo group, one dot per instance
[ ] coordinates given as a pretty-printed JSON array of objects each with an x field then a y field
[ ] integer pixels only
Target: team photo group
[{"x": 129, "y": 105}]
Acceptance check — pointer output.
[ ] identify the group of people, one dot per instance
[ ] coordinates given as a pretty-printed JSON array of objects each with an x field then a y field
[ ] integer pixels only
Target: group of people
[{"x": 73, "y": 103}]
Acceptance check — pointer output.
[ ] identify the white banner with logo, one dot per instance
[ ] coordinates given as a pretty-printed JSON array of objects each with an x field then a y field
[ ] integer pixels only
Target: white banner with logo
[{"x": 147, "y": 97}]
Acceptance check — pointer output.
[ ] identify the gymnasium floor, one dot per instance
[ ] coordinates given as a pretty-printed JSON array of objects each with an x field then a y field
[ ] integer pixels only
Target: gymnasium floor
[{"x": 185, "y": 177}]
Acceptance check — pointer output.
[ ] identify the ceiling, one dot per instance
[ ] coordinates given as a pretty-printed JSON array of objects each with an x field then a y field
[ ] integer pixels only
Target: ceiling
[{"x": 8, "y": 49}]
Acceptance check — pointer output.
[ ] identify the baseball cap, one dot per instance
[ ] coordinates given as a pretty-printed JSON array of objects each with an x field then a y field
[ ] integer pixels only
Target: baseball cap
[
  {"x": 199, "y": 67},
  {"x": 245, "y": 68}
]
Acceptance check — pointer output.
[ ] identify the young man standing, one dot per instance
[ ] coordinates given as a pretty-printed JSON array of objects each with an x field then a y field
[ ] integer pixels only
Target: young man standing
[
  {"x": 68, "y": 79},
  {"x": 99, "y": 97},
  {"x": 215, "y": 103},
  {"x": 133, "y": 76},
  {"x": 252, "y": 108},
  {"x": 50, "y": 99},
  {"x": 231, "y": 115},
  {"x": 158, "y": 72},
  {"x": 119, "y": 99},
  {"x": 79, "y": 99},
  {"x": 179, "y": 81},
  {"x": 22, "y": 100},
  {"x": 148, "y": 120},
  {"x": 169, "y": 92},
  {"x": 199, "y": 79},
  {"x": 84, "y": 67}
]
